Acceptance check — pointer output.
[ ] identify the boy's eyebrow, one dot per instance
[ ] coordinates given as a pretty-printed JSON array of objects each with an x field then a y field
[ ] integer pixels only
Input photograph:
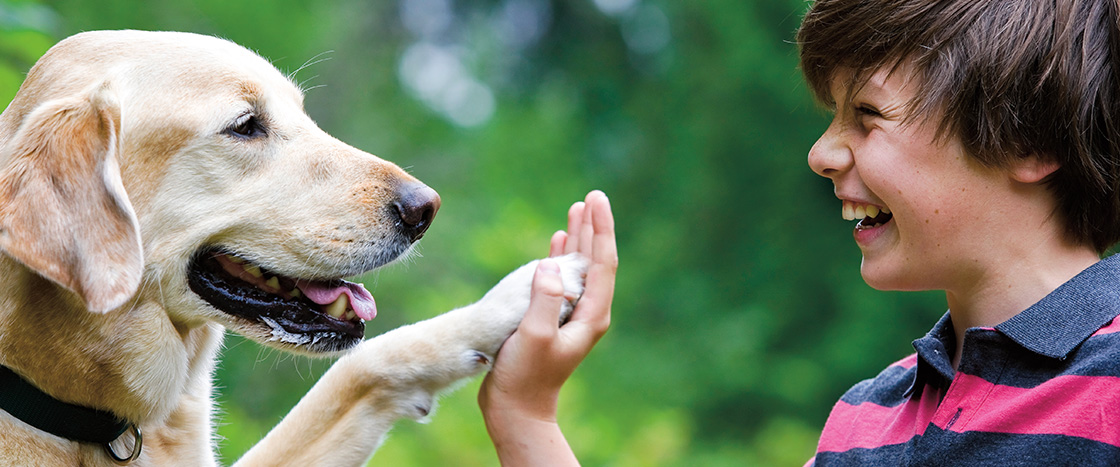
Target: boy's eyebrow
[
  {"x": 843, "y": 94},
  {"x": 881, "y": 87},
  {"x": 877, "y": 91},
  {"x": 875, "y": 85}
]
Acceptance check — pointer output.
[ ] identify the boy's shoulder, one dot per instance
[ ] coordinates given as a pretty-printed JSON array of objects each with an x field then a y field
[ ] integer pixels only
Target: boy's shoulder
[
  {"x": 1078, "y": 314},
  {"x": 1071, "y": 333},
  {"x": 889, "y": 388},
  {"x": 1099, "y": 354}
]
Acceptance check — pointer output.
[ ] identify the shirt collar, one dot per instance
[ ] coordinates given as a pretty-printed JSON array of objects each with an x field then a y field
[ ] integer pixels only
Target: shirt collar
[
  {"x": 1062, "y": 320},
  {"x": 1053, "y": 327},
  {"x": 933, "y": 348}
]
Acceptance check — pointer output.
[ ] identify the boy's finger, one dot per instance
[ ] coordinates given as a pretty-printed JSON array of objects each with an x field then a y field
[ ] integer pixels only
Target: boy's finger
[
  {"x": 604, "y": 249},
  {"x": 556, "y": 245},
  {"x": 594, "y": 307},
  {"x": 575, "y": 221},
  {"x": 542, "y": 319},
  {"x": 586, "y": 230}
]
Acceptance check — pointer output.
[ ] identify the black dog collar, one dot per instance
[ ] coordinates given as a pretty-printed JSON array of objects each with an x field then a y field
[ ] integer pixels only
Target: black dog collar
[{"x": 26, "y": 402}]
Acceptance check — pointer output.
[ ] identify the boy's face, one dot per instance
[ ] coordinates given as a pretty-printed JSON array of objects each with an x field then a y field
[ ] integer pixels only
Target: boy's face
[{"x": 938, "y": 197}]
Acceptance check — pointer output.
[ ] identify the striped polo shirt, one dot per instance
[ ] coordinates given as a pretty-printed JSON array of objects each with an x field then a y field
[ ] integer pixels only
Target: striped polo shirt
[{"x": 1042, "y": 388}]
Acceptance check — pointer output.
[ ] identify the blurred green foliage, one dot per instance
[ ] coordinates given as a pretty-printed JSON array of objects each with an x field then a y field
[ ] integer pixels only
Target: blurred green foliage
[{"x": 740, "y": 316}]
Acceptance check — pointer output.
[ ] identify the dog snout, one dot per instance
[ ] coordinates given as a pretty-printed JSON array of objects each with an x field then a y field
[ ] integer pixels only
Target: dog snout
[{"x": 416, "y": 205}]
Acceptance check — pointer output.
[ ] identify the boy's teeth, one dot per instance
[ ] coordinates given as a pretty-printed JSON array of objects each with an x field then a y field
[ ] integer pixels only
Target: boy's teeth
[
  {"x": 338, "y": 308},
  {"x": 851, "y": 211}
]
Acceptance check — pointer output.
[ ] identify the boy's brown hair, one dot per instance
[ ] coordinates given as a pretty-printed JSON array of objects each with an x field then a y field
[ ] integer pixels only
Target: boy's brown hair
[{"x": 1011, "y": 78}]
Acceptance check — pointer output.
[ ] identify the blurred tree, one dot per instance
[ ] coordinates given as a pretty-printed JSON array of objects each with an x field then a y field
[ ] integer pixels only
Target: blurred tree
[{"x": 740, "y": 315}]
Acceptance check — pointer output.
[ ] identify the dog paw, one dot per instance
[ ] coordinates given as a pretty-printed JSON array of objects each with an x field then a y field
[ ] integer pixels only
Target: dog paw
[
  {"x": 573, "y": 272},
  {"x": 510, "y": 298},
  {"x": 424, "y": 359},
  {"x": 501, "y": 309},
  {"x": 417, "y": 405}
]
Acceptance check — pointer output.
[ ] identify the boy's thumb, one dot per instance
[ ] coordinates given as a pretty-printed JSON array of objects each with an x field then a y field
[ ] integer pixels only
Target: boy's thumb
[{"x": 545, "y": 299}]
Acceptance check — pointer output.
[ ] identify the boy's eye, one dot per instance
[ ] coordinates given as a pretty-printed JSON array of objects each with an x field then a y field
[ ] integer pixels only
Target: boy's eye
[{"x": 867, "y": 111}]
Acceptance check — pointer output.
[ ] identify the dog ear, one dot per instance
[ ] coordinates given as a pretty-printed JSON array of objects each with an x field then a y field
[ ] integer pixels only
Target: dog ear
[{"x": 64, "y": 212}]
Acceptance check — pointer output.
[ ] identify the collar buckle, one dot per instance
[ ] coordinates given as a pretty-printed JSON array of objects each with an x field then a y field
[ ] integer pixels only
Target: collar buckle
[{"x": 137, "y": 445}]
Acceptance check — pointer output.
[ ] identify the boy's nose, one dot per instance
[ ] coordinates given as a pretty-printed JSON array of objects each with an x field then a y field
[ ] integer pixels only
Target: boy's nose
[{"x": 830, "y": 156}]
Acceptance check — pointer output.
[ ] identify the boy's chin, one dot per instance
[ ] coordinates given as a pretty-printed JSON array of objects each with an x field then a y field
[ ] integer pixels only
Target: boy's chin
[{"x": 887, "y": 276}]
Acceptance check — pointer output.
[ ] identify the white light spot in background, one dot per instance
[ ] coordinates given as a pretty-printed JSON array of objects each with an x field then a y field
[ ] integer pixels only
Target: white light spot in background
[
  {"x": 522, "y": 23},
  {"x": 428, "y": 69},
  {"x": 615, "y": 7},
  {"x": 426, "y": 18},
  {"x": 647, "y": 30},
  {"x": 468, "y": 102},
  {"x": 438, "y": 78},
  {"x": 21, "y": 15}
]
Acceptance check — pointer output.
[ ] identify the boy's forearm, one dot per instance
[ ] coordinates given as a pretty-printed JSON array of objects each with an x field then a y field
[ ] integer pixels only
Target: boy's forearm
[{"x": 523, "y": 440}]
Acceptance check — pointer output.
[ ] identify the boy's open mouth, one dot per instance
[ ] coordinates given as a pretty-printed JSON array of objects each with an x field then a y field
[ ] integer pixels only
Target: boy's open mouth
[{"x": 869, "y": 215}]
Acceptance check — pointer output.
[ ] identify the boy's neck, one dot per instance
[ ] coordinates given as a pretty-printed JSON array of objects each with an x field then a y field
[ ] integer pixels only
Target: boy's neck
[{"x": 1003, "y": 292}]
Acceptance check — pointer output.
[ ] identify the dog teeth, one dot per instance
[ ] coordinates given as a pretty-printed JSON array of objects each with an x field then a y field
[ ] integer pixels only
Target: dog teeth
[
  {"x": 235, "y": 259},
  {"x": 295, "y": 292},
  {"x": 273, "y": 282},
  {"x": 338, "y": 308},
  {"x": 351, "y": 316},
  {"x": 254, "y": 271}
]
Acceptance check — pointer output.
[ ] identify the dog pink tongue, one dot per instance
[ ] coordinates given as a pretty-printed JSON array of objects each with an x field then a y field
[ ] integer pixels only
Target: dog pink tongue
[{"x": 325, "y": 293}]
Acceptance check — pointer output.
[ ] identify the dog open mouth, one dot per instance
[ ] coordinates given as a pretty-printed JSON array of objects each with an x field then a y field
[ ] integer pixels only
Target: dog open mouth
[{"x": 315, "y": 315}]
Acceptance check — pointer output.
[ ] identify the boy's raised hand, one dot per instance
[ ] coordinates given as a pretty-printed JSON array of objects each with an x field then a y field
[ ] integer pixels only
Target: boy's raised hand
[{"x": 518, "y": 397}]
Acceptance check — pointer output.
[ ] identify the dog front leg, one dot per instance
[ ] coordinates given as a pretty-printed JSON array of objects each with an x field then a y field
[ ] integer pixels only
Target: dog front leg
[{"x": 347, "y": 414}]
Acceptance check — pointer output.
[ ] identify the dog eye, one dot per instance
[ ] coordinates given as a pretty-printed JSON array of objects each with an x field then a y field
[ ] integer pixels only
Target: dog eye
[{"x": 247, "y": 126}]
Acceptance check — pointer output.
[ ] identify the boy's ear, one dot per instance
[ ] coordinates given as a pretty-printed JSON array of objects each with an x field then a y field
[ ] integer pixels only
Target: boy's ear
[
  {"x": 1033, "y": 169},
  {"x": 64, "y": 212}
]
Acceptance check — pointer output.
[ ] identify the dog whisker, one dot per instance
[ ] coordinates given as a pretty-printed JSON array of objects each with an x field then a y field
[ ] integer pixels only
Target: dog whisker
[
  {"x": 302, "y": 85},
  {"x": 314, "y": 60},
  {"x": 307, "y": 90}
]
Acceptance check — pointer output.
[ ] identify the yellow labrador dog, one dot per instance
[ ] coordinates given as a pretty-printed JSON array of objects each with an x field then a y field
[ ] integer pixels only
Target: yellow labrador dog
[{"x": 156, "y": 188}]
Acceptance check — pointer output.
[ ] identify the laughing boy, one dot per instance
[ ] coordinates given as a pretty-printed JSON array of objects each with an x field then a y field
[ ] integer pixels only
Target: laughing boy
[{"x": 978, "y": 144}]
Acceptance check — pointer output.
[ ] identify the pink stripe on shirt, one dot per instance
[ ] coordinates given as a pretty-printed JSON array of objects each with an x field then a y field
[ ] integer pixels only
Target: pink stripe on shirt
[
  {"x": 870, "y": 425},
  {"x": 1083, "y": 406},
  {"x": 1109, "y": 328}
]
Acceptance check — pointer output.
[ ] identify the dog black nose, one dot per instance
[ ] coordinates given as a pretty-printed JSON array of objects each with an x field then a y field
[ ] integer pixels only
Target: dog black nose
[{"x": 416, "y": 205}]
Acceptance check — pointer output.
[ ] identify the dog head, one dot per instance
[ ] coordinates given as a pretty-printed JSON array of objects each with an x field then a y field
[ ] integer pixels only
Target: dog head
[{"x": 178, "y": 170}]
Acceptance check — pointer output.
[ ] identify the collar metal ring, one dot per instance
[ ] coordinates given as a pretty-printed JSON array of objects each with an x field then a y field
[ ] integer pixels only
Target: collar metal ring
[{"x": 138, "y": 443}]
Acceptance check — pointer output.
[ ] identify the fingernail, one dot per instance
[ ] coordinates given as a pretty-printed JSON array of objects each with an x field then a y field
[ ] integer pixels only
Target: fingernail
[{"x": 549, "y": 266}]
